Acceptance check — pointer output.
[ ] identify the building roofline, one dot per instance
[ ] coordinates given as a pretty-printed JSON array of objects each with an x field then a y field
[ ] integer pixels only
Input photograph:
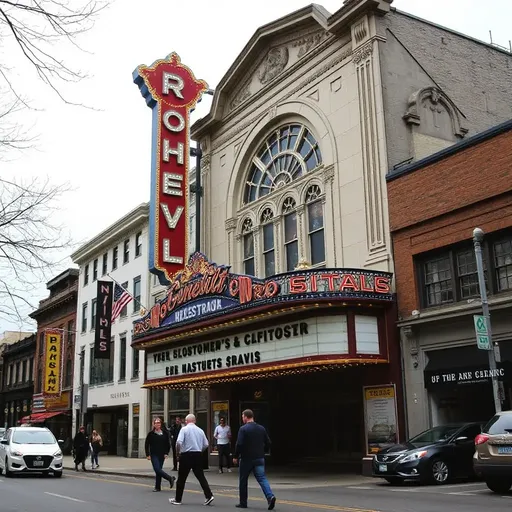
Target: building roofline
[
  {"x": 455, "y": 32},
  {"x": 114, "y": 231},
  {"x": 490, "y": 133},
  {"x": 63, "y": 275}
]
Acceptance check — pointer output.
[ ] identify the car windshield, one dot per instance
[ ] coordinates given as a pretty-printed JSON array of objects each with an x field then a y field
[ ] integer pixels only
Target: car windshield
[
  {"x": 499, "y": 424},
  {"x": 435, "y": 435},
  {"x": 33, "y": 437}
]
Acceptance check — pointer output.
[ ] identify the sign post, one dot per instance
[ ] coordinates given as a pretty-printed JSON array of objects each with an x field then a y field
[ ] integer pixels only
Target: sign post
[{"x": 482, "y": 333}]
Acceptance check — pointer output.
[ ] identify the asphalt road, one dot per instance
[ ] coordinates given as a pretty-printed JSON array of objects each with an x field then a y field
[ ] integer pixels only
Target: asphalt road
[{"x": 102, "y": 493}]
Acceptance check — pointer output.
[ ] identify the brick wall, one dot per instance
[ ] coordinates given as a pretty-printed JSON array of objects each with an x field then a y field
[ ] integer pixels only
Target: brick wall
[{"x": 440, "y": 204}]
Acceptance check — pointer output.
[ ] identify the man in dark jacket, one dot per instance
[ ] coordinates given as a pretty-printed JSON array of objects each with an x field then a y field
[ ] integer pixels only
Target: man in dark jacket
[
  {"x": 252, "y": 444},
  {"x": 157, "y": 448},
  {"x": 175, "y": 432},
  {"x": 80, "y": 447}
]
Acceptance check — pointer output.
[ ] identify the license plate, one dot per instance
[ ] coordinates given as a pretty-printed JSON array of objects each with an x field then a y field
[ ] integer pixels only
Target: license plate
[
  {"x": 38, "y": 463},
  {"x": 383, "y": 468},
  {"x": 504, "y": 449}
]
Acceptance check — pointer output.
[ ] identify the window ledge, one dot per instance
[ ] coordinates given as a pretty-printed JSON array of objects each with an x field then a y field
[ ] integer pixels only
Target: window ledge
[
  {"x": 122, "y": 381},
  {"x": 134, "y": 379}
]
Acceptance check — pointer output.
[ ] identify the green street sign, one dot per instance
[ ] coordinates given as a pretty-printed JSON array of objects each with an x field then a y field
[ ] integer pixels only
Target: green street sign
[{"x": 482, "y": 333}]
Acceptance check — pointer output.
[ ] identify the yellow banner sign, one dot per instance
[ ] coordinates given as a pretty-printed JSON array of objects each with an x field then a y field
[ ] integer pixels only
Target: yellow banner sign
[
  {"x": 52, "y": 363},
  {"x": 383, "y": 392}
]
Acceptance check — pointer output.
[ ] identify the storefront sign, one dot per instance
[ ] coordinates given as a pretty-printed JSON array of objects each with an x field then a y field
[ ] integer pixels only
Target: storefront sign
[
  {"x": 381, "y": 420},
  {"x": 171, "y": 91},
  {"x": 103, "y": 326},
  {"x": 56, "y": 403},
  {"x": 136, "y": 409},
  {"x": 317, "y": 336},
  {"x": 52, "y": 362},
  {"x": 466, "y": 375},
  {"x": 205, "y": 290},
  {"x": 117, "y": 396}
]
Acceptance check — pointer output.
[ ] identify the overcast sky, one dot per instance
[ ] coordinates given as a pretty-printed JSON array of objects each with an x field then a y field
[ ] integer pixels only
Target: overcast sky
[{"x": 108, "y": 149}]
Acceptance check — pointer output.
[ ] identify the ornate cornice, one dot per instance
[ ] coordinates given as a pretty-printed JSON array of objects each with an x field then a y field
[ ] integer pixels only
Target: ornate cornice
[{"x": 363, "y": 52}]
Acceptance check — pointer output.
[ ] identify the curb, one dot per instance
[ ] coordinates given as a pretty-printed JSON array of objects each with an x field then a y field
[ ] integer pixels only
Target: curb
[{"x": 114, "y": 473}]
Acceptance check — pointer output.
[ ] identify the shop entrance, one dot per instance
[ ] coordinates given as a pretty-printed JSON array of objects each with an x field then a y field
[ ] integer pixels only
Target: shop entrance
[{"x": 112, "y": 425}]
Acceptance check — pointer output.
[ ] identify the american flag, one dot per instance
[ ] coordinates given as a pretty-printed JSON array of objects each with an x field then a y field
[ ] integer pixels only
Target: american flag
[{"x": 121, "y": 298}]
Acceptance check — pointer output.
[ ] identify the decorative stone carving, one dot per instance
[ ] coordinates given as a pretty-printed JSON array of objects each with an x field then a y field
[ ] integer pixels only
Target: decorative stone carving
[
  {"x": 230, "y": 224},
  {"x": 306, "y": 43},
  {"x": 328, "y": 174},
  {"x": 274, "y": 63},
  {"x": 363, "y": 52},
  {"x": 243, "y": 94},
  {"x": 303, "y": 264},
  {"x": 205, "y": 164},
  {"x": 360, "y": 30},
  {"x": 272, "y": 112},
  {"x": 409, "y": 336},
  {"x": 426, "y": 107}
]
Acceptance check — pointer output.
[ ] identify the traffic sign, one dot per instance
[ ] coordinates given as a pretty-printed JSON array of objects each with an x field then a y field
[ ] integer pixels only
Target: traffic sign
[{"x": 482, "y": 333}]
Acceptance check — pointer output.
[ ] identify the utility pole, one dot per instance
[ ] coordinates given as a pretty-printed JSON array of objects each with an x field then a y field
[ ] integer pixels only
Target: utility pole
[{"x": 494, "y": 350}]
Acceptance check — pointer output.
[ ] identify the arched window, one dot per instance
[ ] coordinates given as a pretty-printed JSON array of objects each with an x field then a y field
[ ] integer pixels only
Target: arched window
[
  {"x": 315, "y": 225},
  {"x": 291, "y": 242},
  {"x": 268, "y": 241},
  {"x": 248, "y": 241},
  {"x": 289, "y": 153}
]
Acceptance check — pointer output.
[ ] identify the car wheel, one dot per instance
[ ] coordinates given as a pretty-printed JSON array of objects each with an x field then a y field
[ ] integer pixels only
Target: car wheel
[
  {"x": 440, "y": 472},
  {"x": 8, "y": 474},
  {"x": 394, "y": 481},
  {"x": 57, "y": 474},
  {"x": 499, "y": 485}
]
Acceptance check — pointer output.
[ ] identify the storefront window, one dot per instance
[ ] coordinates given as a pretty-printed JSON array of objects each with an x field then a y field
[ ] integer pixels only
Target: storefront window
[
  {"x": 135, "y": 431},
  {"x": 157, "y": 401},
  {"x": 179, "y": 404},
  {"x": 201, "y": 400}
]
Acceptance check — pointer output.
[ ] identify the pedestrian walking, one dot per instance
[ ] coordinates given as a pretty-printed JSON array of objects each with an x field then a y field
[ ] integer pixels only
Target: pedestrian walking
[
  {"x": 81, "y": 448},
  {"x": 251, "y": 445},
  {"x": 190, "y": 445},
  {"x": 157, "y": 448},
  {"x": 96, "y": 445},
  {"x": 175, "y": 432},
  {"x": 223, "y": 435}
]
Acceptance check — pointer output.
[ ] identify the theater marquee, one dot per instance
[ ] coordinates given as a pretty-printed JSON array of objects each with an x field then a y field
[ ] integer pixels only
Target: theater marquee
[{"x": 171, "y": 91}]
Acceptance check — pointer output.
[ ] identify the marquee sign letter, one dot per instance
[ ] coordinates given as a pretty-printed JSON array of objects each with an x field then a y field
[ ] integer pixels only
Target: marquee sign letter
[{"x": 171, "y": 91}]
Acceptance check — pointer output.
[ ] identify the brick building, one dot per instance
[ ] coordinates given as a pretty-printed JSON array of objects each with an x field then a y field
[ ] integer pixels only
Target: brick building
[
  {"x": 434, "y": 205},
  {"x": 58, "y": 311}
]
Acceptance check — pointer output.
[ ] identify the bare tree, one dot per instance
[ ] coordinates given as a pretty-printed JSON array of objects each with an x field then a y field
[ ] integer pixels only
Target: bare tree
[{"x": 30, "y": 243}]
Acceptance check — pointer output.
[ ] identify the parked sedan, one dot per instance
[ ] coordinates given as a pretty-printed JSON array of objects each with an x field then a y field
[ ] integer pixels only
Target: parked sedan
[
  {"x": 30, "y": 450},
  {"x": 493, "y": 455},
  {"x": 436, "y": 455}
]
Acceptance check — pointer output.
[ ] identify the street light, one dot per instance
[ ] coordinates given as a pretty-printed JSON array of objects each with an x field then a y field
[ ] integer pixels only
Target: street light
[{"x": 494, "y": 351}]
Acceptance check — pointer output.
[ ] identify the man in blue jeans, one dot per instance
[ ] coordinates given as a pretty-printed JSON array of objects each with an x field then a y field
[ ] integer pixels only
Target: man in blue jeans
[{"x": 252, "y": 444}]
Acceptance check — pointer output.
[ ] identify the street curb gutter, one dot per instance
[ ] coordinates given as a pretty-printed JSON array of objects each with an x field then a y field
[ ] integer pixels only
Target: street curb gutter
[{"x": 114, "y": 473}]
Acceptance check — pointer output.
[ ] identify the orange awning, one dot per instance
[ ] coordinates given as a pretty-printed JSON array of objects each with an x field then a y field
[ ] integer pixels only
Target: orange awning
[{"x": 39, "y": 417}]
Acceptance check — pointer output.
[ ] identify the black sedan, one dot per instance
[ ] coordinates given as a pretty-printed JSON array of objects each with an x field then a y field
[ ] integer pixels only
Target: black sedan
[{"x": 436, "y": 455}]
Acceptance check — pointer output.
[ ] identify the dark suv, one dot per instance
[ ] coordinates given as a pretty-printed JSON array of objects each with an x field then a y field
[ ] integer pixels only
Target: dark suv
[{"x": 493, "y": 455}]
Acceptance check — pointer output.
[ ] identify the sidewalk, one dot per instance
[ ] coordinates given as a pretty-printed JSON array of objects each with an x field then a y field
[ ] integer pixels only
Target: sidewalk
[{"x": 141, "y": 468}]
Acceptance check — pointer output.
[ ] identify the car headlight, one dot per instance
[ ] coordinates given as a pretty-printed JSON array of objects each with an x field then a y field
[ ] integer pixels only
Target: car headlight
[
  {"x": 57, "y": 454},
  {"x": 17, "y": 454},
  {"x": 414, "y": 456}
]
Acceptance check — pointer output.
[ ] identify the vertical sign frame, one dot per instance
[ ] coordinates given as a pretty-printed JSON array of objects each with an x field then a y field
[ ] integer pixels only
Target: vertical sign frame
[
  {"x": 172, "y": 92},
  {"x": 52, "y": 385},
  {"x": 103, "y": 327}
]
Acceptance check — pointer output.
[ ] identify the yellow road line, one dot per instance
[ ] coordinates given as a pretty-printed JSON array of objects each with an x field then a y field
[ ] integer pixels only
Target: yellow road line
[{"x": 302, "y": 504}]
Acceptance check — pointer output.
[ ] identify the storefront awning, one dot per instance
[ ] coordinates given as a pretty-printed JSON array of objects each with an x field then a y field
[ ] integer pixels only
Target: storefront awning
[{"x": 40, "y": 417}]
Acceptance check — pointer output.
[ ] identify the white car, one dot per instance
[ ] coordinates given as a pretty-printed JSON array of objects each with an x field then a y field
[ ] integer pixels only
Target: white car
[{"x": 30, "y": 450}]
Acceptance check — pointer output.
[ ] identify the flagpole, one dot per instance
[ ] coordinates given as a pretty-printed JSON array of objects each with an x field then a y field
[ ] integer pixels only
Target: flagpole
[{"x": 141, "y": 306}]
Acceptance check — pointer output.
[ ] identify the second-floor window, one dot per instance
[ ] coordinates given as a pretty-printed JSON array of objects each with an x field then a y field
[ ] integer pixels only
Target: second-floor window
[
  {"x": 135, "y": 363},
  {"x": 95, "y": 269},
  {"x": 115, "y": 257},
  {"x": 138, "y": 244},
  {"x": 126, "y": 251},
  {"x": 24, "y": 371},
  {"x": 93, "y": 314},
  {"x": 450, "y": 275},
  {"x": 86, "y": 274},
  {"x": 124, "y": 311},
  {"x": 84, "y": 317},
  {"x": 102, "y": 370},
  {"x": 136, "y": 294},
  {"x": 122, "y": 357},
  {"x": 104, "y": 264}
]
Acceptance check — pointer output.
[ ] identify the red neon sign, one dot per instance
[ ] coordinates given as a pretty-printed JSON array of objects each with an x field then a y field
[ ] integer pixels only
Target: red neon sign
[{"x": 172, "y": 91}]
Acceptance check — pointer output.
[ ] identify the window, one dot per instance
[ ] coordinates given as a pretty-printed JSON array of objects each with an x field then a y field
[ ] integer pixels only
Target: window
[
  {"x": 86, "y": 275},
  {"x": 503, "y": 263},
  {"x": 291, "y": 242},
  {"x": 451, "y": 275},
  {"x": 268, "y": 242},
  {"x": 68, "y": 372},
  {"x": 41, "y": 343},
  {"x": 124, "y": 311},
  {"x": 18, "y": 373},
  {"x": 24, "y": 371},
  {"x": 84, "y": 317},
  {"x": 93, "y": 314},
  {"x": 248, "y": 237},
  {"x": 138, "y": 244},
  {"x": 122, "y": 357},
  {"x": 315, "y": 225},
  {"x": 135, "y": 364},
  {"x": 104, "y": 265},
  {"x": 11, "y": 374},
  {"x": 136, "y": 294},
  {"x": 95, "y": 270},
  {"x": 71, "y": 332},
  {"x": 115, "y": 256},
  {"x": 31, "y": 370},
  {"x": 102, "y": 370},
  {"x": 289, "y": 153},
  {"x": 126, "y": 251}
]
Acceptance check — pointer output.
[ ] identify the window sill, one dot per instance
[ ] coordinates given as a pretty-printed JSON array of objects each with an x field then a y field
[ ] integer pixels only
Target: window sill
[
  {"x": 134, "y": 379},
  {"x": 122, "y": 381}
]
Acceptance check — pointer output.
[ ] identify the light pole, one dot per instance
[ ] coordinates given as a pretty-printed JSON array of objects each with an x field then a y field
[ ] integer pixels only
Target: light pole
[{"x": 494, "y": 351}]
